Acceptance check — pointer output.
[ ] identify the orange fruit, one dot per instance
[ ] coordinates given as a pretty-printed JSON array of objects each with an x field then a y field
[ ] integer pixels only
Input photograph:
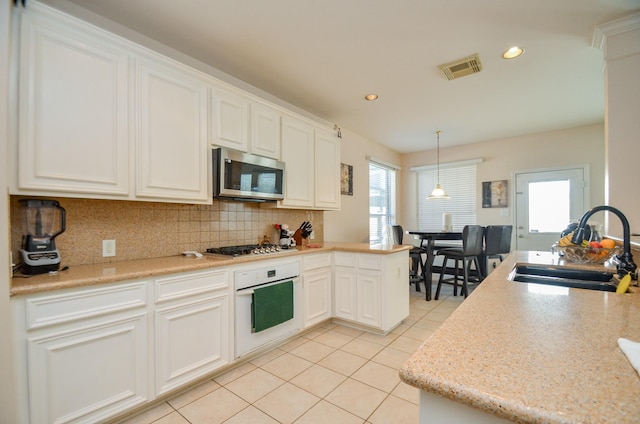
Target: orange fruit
[{"x": 608, "y": 243}]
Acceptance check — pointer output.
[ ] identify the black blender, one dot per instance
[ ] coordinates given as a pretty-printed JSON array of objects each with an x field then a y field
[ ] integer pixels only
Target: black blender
[{"x": 44, "y": 221}]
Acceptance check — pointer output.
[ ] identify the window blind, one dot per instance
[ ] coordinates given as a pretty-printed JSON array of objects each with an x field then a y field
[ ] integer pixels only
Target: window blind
[
  {"x": 460, "y": 184},
  {"x": 382, "y": 200}
]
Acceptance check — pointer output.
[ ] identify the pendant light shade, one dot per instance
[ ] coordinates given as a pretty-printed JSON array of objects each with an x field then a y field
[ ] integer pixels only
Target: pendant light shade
[{"x": 438, "y": 192}]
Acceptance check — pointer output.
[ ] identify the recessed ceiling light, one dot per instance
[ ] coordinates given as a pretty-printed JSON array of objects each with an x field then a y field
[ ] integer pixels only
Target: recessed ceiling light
[
  {"x": 513, "y": 52},
  {"x": 371, "y": 97}
]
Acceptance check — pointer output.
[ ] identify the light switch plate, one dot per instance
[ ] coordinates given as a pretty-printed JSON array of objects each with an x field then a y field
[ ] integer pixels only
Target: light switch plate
[{"x": 108, "y": 248}]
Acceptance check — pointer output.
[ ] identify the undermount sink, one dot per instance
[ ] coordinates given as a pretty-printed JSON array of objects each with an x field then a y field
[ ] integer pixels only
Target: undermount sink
[{"x": 564, "y": 277}]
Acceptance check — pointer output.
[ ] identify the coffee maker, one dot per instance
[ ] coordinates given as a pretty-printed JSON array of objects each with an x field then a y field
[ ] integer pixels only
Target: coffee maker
[{"x": 44, "y": 220}]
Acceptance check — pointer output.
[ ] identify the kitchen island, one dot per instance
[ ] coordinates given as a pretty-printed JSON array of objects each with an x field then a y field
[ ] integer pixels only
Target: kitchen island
[{"x": 529, "y": 353}]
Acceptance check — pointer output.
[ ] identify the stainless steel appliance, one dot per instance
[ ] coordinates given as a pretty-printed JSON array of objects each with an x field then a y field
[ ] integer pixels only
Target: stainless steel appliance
[
  {"x": 248, "y": 249},
  {"x": 44, "y": 221},
  {"x": 267, "y": 305},
  {"x": 241, "y": 176}
]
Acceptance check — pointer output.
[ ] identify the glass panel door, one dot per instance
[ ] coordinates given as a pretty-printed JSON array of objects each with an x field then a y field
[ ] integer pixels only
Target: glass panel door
[{"x": 546, "y": 202}]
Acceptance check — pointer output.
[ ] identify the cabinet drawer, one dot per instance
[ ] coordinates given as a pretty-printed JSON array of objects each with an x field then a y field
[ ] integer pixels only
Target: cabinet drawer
[
  {"x": 316, "y": 261},
  {"x": 369, "y": 262},
  {"x": 189, "y": 284},
  {"x": 43, "y": 311},
  {"x": 344, "y": 259}
]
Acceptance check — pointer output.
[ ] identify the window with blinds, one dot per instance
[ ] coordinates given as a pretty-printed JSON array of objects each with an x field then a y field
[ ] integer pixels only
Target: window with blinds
[
  {"x": 382, "y": 200},
  {"x": 460, "y": 184}
]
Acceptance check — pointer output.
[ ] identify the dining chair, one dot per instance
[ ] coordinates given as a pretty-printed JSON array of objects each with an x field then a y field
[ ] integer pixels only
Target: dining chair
[
  {"x": 472, "y": 244},
  {"x": 415, "y": 255},
  {"x": 497, "y": 242}
]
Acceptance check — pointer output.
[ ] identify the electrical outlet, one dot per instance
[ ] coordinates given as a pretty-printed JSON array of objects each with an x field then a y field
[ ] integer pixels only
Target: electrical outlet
[{"x": 108, "y": 248}]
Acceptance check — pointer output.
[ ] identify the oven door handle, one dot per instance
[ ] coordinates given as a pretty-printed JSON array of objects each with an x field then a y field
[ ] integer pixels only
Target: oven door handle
[{"x": 246, "y": 292}]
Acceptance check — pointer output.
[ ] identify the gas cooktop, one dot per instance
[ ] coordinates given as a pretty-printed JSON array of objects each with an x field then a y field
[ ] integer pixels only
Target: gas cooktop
[{"x": 249, "y": 249}]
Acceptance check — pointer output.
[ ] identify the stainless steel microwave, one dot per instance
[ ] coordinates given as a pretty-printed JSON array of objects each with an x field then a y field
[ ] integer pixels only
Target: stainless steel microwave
[{"x": 242, "y": 176}]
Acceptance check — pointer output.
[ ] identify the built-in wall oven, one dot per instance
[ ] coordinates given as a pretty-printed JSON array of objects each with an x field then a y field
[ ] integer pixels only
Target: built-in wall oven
[{"x": 266, "y": 301}]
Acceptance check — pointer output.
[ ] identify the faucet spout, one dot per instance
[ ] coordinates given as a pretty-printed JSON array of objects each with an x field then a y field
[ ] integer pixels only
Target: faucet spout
[{"x": 626, "y": 264}]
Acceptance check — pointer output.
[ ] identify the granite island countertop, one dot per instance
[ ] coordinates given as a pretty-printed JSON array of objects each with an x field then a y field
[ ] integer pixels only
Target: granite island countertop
[
  {"x": 535, "y": 354},
  {"x": 94, "y": 274}
]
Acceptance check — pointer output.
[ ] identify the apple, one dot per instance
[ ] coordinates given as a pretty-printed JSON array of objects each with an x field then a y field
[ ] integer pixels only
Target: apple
[{"x": 595, "y": 244}]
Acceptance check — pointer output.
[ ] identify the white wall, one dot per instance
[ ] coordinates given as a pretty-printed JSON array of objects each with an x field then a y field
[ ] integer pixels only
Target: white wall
[
  {"x": 7, "y": 376},
  {"x": 351, "y": 223},
  {"x": 576, "y": 146}
]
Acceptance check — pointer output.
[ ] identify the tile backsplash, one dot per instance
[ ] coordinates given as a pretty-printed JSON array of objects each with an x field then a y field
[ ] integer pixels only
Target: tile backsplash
[{"x": 150, "y": 230}]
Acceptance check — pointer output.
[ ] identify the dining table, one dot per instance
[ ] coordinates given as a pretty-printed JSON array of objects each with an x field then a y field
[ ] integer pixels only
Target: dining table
[{"x": 428, "y": 244}]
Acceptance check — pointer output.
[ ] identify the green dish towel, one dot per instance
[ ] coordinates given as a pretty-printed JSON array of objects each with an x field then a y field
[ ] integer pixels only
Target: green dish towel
[{"x": 272, "y": 305}]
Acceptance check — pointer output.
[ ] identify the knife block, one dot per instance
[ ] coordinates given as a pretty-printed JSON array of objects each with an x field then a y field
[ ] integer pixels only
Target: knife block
[{"x": 297, "y": 236}]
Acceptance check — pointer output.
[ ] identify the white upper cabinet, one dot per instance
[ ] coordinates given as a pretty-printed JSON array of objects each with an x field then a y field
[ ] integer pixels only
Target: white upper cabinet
[
  {"x": 74, "y": 115},
  {"x": 265, "y": 130},
  {"x": 327, "y": 170},
  {"x": 172, "y": 131},
  {"x": 244, "y": 124},
  {"x": 102, "y": 117},
  {"x": 298, "y": 154},
  {"x": 312, "y": 157},
  {"x": 230, "y": 120}
]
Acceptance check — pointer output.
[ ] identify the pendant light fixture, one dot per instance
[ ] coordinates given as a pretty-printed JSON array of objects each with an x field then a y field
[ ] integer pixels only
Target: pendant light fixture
[{"x": 438, "y": 192}]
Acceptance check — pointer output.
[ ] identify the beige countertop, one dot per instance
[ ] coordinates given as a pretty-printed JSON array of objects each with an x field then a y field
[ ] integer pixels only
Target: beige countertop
[
  {"x": 533, "y": 355},
  {"x": 87, "y": 275}
]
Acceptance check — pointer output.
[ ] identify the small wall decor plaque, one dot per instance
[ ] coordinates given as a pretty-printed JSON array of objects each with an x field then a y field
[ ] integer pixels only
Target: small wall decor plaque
[
  {"x": 346, "y": 179},
  {"x": 494, "y": 194}
]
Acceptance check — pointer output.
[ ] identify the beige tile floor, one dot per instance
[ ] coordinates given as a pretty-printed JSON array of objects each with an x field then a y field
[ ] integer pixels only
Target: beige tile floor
[{"x": 334, "y": 374}]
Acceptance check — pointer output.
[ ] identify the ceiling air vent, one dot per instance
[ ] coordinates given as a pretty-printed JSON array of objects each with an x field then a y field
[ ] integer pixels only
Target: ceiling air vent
[{"x": 461, "y": 68}]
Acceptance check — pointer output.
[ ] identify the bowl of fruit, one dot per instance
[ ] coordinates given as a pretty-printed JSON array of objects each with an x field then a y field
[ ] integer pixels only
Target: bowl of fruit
[{"x": 589, "y": 252}]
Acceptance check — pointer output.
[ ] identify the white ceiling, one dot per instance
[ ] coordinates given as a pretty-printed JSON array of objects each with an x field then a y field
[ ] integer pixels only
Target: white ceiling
[{"x": 325, "y": 55}]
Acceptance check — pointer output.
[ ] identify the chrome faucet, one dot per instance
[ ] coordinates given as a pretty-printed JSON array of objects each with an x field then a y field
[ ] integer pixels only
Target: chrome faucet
[{"x": 625, "y": 263}]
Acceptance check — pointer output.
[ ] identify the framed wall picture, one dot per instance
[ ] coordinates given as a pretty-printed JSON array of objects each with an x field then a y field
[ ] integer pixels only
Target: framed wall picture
[
  {"x": 494, "y": 194},
  {"x": 346, "y": 179}
]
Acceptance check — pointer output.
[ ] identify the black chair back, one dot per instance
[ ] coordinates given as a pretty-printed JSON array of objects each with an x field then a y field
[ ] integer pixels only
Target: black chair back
[
  {"x": 497, "y": 239},
  {"x": 472, "y": 240}
]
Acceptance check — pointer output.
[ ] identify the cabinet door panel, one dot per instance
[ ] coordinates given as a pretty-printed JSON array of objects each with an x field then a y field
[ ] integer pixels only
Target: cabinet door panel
[
  {"x": 192, "y": 339},
  {"x": 369, "y": 291},
  {"x": 265, "y": 131},
  {"x": 231, "y": 120},
  {"x": 74, "y": 115},
  {"x": 297, "y": 153},
  {"x": 327, "y": 171},
  {"x": 317, "y": 295},
  {"x": 172, "y": 140},
  {"x": 88, "y": 374},
  {"x": 345, "y": 293}
]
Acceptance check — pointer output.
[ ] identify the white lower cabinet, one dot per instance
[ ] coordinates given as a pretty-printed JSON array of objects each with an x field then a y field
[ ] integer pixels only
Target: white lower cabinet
[
  {"x": 371, "y": 289},
  {"x": 90, "y": 354},
  {"x": 193, "y": 324},
  {"x": 316, "y": 287},
  {"x": 86, "y": 355}
]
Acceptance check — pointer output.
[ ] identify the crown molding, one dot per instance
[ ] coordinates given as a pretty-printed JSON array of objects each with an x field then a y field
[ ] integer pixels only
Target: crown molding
[{"x": 615, "y": 27}]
